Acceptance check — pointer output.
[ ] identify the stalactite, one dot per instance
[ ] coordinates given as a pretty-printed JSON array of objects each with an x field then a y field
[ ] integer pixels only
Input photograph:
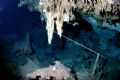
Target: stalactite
[{"x": 59, "y": 11}]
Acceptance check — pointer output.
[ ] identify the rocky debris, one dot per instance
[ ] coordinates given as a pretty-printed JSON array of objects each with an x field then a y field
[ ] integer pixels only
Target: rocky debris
[
  {"x": 84, "y": 75},
  {"x": 56, "y": 72},
  {"x": 22, "y": 47},
  {"x": 28, "y": 68}
]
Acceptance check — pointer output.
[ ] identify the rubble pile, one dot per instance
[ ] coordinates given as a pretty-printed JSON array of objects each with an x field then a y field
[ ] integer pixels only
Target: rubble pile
[{"x": 56, "y": 72}]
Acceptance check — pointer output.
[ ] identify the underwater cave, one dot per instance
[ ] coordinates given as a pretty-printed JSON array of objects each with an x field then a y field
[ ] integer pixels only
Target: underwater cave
[{"x": 60, "y": 39}]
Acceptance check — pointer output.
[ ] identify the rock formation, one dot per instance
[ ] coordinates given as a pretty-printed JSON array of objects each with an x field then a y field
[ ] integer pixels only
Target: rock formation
[
  {"x": 59, "y": 11},
  {"x": 55, "y": 72},
  {"x": 22, "y": 47}
]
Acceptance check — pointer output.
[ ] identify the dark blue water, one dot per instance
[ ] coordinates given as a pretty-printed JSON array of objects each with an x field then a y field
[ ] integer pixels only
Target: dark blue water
[
  {"x": 13, "y": 26},
  {"x": 12, "y": 18},
  {"x": 16, "y": 21}
]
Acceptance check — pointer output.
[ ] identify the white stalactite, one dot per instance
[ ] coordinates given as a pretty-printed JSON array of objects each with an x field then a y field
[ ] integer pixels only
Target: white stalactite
[
  {"x": 57, "y": 13},
  {"x": 51, "y": 10},
  {"x": 50, "y": 26}
]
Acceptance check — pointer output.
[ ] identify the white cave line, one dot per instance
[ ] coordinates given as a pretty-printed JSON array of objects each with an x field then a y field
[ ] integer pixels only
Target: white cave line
[
  {"x": 82, "y": 46},
  {"x": 97, "y": 53}
]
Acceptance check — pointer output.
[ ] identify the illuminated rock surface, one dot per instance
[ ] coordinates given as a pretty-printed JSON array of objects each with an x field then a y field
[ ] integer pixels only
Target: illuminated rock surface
[
  {"x": 61, "y": 10},
  {"x": 57, "y": 72}
]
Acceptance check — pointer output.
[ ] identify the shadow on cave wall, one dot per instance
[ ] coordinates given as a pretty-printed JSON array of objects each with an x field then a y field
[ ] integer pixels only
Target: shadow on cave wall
[
  {"x": 5, "y": 72},
  {"x": 116, "y": 40},
  {"x": 74, "y": 31}
]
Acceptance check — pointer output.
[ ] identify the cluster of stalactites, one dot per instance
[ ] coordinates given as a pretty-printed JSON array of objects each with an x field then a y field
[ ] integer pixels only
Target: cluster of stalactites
[
  {"x": 56, "y": 12},
  {"x": 94, "y": 7}
]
